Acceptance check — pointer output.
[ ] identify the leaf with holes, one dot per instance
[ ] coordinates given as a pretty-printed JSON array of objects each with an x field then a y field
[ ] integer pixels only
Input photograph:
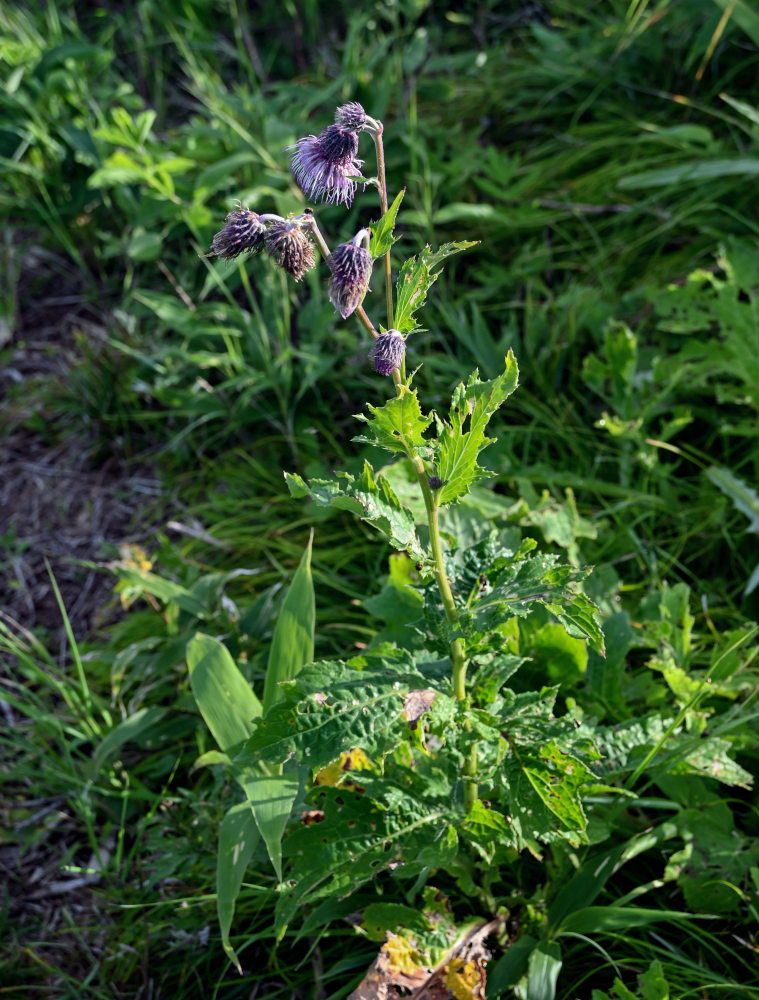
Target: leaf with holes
[
  {"x": 357, "y": 839},
  {"x": 398, "y": 426},
  {"x": 332, "y": 707}
]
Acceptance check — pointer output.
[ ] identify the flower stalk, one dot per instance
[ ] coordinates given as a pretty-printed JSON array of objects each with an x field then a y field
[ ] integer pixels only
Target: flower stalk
[
  {"x": 457, "y": 651},
  {"x": 379, "y": 147},
  {"x": 327, "y": 168}
]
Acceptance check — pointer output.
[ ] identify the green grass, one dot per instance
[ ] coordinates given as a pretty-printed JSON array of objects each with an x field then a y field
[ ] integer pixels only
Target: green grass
[{"x": 554, "y": 136}]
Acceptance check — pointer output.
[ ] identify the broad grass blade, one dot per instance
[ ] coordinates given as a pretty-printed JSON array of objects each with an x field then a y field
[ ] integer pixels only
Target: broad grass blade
[
  {"x": 271, "y": 798},
  {"x": 597, "y": 919},
  {"x": 238, "y": 836},
  {"x": 293, "y": 642},
  {"x": 224, "y": 697},
  {"x": 543, "y": 971}
]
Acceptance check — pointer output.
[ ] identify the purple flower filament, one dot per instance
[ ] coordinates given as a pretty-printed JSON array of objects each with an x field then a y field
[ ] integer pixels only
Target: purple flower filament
[{"x": 325, "y": 165}]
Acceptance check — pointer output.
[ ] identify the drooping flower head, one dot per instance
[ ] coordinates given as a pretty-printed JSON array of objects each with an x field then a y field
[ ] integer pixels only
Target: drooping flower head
[
  {"x": 290, "y": 247},
  {"x": 388, "y": 352},
  {"x": 351, "y": 116},
  {"x": 243, "y": 233},
  {"x": 351, "y": 266},
  {"x": 326, "y": 166}
]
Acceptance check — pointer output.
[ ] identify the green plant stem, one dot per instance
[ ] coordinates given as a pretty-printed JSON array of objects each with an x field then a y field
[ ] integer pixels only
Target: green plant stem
[
  {"x": 458, "y": 659},
  {"x": 378, "y": 145},
  {"x": 325, "y": 252}
]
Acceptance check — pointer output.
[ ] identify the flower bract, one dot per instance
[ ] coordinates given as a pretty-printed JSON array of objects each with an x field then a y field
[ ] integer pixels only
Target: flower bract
[
  {"x": 290, "y": 247},
  {"x": 351, "y": 267},
  {"x": 351, "y": 116},
  {"x": 243, "y": 233},
  {"x": 388, "y": 352}
]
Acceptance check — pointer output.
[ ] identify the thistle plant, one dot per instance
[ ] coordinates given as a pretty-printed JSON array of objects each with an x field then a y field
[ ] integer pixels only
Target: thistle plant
[{"x": 413, "y": 756}]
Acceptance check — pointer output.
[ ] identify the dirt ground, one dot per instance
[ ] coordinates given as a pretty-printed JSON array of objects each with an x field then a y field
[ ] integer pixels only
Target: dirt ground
[{"x": 61, "y": 503}]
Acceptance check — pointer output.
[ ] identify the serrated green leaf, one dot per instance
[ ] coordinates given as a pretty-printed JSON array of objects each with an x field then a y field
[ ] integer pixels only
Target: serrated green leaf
[
  {"x": 558, "y": 779},
  {"x": 708, "y": 756},
  {"x": 398, "y": 426},
  {"x": 417, "y": 275},
  {"x": 372, "y": 499},
  {"x": 379, "y": 918},
  {"x": 487, "y": 829},
  {"x": 519, "y": 584},
  {"x": 292, "y": 644},
  {"x": 653, "y": 983},
  {"x": 544, "y": 785},
  {"x": 238, "y": 836},
  {"x": 329, "y": 708},
  {"x": 357, "y": 839},
  {"x": 382, "y": 231},
  {"x": 457, "y": 449}
]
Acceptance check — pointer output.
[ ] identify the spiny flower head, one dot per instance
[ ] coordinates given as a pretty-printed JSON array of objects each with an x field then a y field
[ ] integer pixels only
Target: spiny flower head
[
  {"x": 325, "y": 165},
  {"x": 351, "y": 266},
  {"x": 351, "y": 116},
  {"x": 243, "y": 233},
  {"x": 290, "y": 247},
  {"x": 388, "y": 352}
]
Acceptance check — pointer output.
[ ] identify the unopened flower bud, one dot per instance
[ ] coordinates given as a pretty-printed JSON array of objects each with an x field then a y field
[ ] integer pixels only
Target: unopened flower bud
[
  {"x": 351, "y": 116},
  {"x": 388, "y": 352},
  {"x": 289, "y": 246},
  {"x": 351, "y": 267},
  {"x": 435, "y": 482},
  {"x": 243, "y": 233}
]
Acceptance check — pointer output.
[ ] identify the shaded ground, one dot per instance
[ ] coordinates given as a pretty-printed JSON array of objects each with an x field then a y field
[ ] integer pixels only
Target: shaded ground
[
  {"x": 60, "y": 501},
  {"x": 66, "y": 507},
  {"x": 56, "y": 508}
]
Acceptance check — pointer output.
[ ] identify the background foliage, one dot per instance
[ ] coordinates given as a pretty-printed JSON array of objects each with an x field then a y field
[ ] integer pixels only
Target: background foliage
[{"x": 604, "y": 156}]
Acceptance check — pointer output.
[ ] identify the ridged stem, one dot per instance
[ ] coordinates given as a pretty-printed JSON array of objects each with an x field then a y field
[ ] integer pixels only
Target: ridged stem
[
  {"x": 378, "y": 145},
  {"x": 458, "y": 659}
]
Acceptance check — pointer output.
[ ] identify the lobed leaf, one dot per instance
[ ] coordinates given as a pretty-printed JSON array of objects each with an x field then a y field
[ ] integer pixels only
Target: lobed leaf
[
  {"x": 358, "y": 838},
  {"x": 544, "y": 785},
  {"x": 371, "y": 498},
  {"x": 518, "y": 584},
  {"x": 398, "y": 426},
  {"x": 415, "y": 279},
  {"x": 457, "y": 449}
]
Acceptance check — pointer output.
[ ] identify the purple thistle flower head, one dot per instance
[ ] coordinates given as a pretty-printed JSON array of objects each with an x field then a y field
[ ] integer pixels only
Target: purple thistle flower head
[
  {"x": 388, "y": 352},
  {"x": 290, "y": 247},
  {"x": 351, "y": 266},
  {"x": 324, "y": 165},
  {"x": 243, "y": 233},
  {"x": 351, "y": 116}
]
